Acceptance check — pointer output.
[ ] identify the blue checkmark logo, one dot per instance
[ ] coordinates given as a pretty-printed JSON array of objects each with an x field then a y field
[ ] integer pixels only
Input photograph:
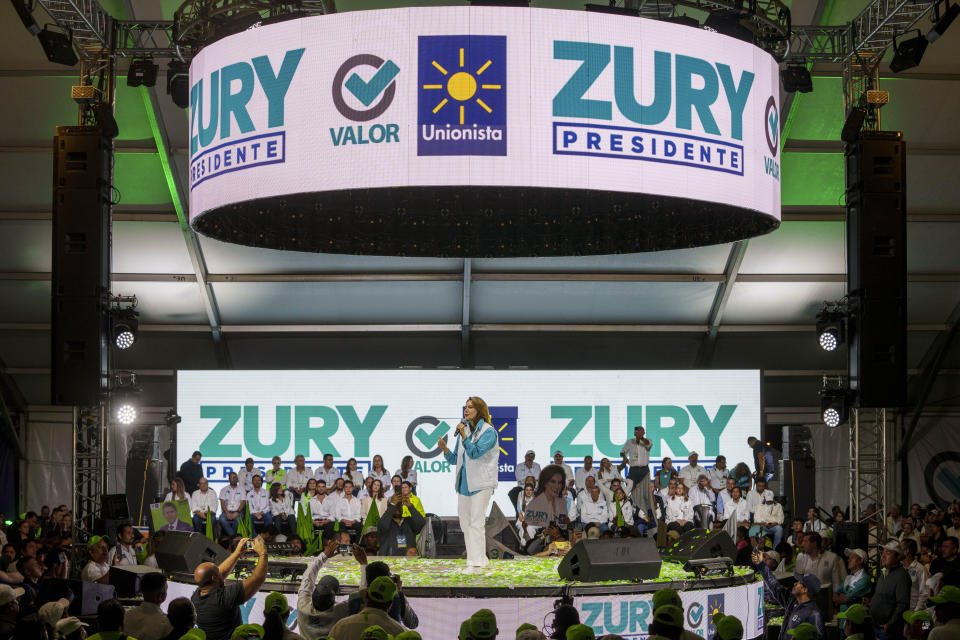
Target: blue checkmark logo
[
  {"x": 366, "y": 91},
  {"x": 429, "y": 438},
  {"x": 772, "y": 120}
]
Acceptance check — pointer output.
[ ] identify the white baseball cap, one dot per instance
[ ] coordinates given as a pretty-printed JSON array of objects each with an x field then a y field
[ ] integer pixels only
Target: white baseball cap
[
  {"x": 773, "y": 554},
  {"x": 8, "y": 594},
  {"x": 859, "y": 552},
  {"x": 51, "y": 612},
  {"x": 68, "y": 625},
  {"x": 894, "y": 546},
  {"x": 529, "y": 452}
]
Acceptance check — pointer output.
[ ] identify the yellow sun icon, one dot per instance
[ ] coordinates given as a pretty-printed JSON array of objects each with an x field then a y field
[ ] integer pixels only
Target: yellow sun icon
[{"x": 462, "y": 86}]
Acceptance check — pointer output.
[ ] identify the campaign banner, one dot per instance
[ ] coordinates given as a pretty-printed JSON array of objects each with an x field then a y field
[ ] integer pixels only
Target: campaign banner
[
  {"x": 231, "y": 415},
  {"x": 933, "y": 461},
  {"x": 484, "y": 96},
  {"x": 173, "y": 515},
  {"x": 628, "y": 615}
]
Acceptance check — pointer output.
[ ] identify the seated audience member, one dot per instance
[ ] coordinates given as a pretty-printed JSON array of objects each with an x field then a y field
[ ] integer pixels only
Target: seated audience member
[
  {"x": 527, "y": 468},
  {"x": 281, "y": 508},
  {"x": 758, "y": 494},
  {"x": 399, "y": 609},
  {"x": 592, "y": 511},
  {"x": 202, "y": 500},
  {"x": 625, "y": 518},
  {"x": 177, "y": 491},
  {"x": 857, "y": 585},
  {"x": 320, "y": 509},
  {"x": 662, "y": 478},
  {"x": 737, "y": 508},
  {"x": 689, "y": 474},
  {"x": 399, "y": 526},
  {"x": 247, "y": 474},
  {"x": 124, "y": 553},
  {"x": 276, "y": 610},
  {"x": 147, "y": 621},
  {"x": 352, "y": 474},
  {"x": 813, "y": 523},
  {"x": 948, "y": 560},
  {"x": 379, "y": 471},
  {"x": 724, "y": 496},
  {"x": 907, "y": 531},
  {"x": 526, "y": 533},
  {"x": 768, "y": 517},
  {"x": 258, "y": 502},
  {"x": 97, "y": 570},
  {"x": 410, "y": 501},
  {"x": 796, "y": 532},
  {"x": 718, "y": 475},
  {"x": 584, "y": 472},
  {"x": 276, "y": 474},
  {"x": 233, "y": 499},
  {"x": 919, "y": 576},
  {"x": 317, "y": 609},
  {"x": 669, "y": 491},
  {"x": 296, "y": 479},
  {"x": 218, "y": 604},
  {"x": 182, "y": 617},
  {"x": 679, "y": 512},
  {"x": 328, "y": 473},
  {"x": 32, "y": 571},
  {"x": 378, "y": 598},
  {"x": 407, "y": 473},
  {"x": 348, "y": 511},
  {"x": 110, "y": 622}
]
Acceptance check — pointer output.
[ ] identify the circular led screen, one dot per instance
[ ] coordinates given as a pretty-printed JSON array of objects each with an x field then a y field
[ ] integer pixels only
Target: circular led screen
[{"x": 483, "y": 131}]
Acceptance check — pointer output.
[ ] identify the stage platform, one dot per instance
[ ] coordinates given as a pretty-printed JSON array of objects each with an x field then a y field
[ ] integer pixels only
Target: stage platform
[{"x": 521, "y": 590}]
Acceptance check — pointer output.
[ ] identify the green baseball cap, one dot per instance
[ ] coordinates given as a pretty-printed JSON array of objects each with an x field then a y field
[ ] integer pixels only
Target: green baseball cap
[
  {"x": 483, "y": 625},
  {"x": 728, "y": 627},
  {"x": 248, "y": 630},
  {"x": 948, "y": 593},
  {"x": 855, "y": 613},
  {"x": 93, "y": 540},
  {"x": 666, "y": 596},
  {"x": 526, "y": 625},
  {"x": 382, "y": 590},
  {"x": 669, "y": 614},
  {"x": 580, "y": 632},
  {"x": 275, "y": 602},
  {"x": 464, "y": 630},
  {"x": 408, "y": 635},
  {"x": 194, "y": 634},
  {"x": 804, "y": 631},
  {"x": 917, "y": 616},
  {"x": 375, "y": 632}
]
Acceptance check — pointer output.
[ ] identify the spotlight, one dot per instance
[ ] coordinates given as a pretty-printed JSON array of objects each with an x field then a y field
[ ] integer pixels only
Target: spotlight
[
  {"x": 178, "y": 83},
  {"x": 796, "y": 77},
  {"x": 834, "y": 405},
  {"x": 25, "y": 11},
  {"x": 942, "y": 22},
  {"x": 709, "y": 567},
  {"x": 58, "y": 47},
  {"x": 728, "y": 23},
  {"x": 830, "y": 329},
  {"x": 126, "y": 412},
  {"x": 125, "y": 325},
  {"x": 142, "y": 72},
  {"x": 908, "y": 53}
]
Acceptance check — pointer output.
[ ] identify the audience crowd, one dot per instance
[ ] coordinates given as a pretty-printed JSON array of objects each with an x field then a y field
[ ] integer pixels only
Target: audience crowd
[{"x": 899, "y": 580}]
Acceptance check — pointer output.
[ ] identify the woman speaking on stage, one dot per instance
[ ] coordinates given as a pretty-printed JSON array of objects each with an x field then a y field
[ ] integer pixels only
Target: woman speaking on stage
[{"x": 476, "y": 453}]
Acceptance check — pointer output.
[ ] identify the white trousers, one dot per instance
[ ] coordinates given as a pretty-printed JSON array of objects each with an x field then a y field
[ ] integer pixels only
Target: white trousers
[{"x": 473, "y": 518}]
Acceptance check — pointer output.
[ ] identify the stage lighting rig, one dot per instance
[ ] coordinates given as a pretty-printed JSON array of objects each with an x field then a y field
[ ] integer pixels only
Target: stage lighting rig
[
  {"x": 908, "y": 53},
  {"x": 942, "y": 22},
  {"x": 709, "y": 567},
  {"x": 143, "y": 72},
  {"x": 178, "y": 83},
  {"x": 729, "y": 23},
  {"x": 834, "y": 401},
  {"x": 123, "y": 397},
  {"x": 795, "y": 78},
  {"x": 124, "y": 322},
  {"x": 831, "y": 325},
  {"x": 24, "y": 10},
  {"x": 58, "y": 46}
]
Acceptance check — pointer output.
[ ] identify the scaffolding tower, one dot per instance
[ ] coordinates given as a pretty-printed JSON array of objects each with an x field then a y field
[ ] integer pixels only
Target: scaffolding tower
[
  {"x": 89, "y": 468},
  {"x": 872, "y": 443}
]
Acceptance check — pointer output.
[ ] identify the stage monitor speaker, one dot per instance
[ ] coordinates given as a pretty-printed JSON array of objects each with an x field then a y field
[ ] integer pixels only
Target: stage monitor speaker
[
  {"x": 799, "y": 482},
  {"x": 700, "y": 544},
  {"x": 87, "y": 596},
  {"x": 876, "y": 200},
  {"x": 182, "y": 552},
  {"x": 611, "y": 559},
  {"x": 126, "y": 579}
]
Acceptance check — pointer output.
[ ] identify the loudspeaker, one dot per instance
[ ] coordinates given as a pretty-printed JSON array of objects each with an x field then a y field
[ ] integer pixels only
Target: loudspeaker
[
  {"x": 876, "y": 201},
  {"x": 87, "y": 596},
  {"x": 849, "y": 535},
  {"x": 700, "y": 544},
  {"x": 114, "y": 507},
  {"x": 80, "y": 278},
  {"x": 612, "y": 559},
  {"x": 799, "y": 482},
  {"x": 182, "y": 552},
  {"x": 126, "y": 579}
]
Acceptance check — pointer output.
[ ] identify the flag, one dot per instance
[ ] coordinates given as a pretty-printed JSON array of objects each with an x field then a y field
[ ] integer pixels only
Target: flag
[
  {"x": 210, "y": 525},
  {"x": 245, "y": 526},
  {"x": 309, "y": 528},
  {"x": 304, "y": 526},
  {"x": 620, "y": 520},
  {"x": 373, "y": 517}
]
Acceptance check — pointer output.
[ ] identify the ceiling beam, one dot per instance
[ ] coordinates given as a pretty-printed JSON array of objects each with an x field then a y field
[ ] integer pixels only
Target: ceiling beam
[{"x": 732, "y": 269}]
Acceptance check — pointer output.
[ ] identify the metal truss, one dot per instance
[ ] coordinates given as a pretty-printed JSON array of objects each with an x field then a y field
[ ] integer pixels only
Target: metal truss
[
  {"x": 870, "y": 430},
  {"x": 89, "y": 467}
]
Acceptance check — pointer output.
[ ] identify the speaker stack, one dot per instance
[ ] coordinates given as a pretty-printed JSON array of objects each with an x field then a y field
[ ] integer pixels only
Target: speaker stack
[
  {"x": 611, "y": 559},
  {"x": 700, "y": 544},
  {"x": 182, "y": 552}
]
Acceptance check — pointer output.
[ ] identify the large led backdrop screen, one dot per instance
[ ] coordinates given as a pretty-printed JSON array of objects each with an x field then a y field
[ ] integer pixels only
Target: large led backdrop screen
[{"x": 230, "y": 415}]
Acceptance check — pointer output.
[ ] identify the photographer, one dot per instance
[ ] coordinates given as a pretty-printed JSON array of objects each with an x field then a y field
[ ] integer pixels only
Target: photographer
[
  {"x": 398, "y": 528},
  {"x": 400, "y": 609},
  {"x": 316, "y": 610}
]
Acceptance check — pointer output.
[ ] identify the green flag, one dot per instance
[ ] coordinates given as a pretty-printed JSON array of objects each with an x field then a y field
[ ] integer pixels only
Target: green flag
[
  {"x": 309, "y": 529},
  {"x": 245, "y": 527},
  {"x": 303, "y": 525},
  {"x": 373, "y": 517},
  {"x": 210, "y": 525},
  {"x": 620, "y": 520}
]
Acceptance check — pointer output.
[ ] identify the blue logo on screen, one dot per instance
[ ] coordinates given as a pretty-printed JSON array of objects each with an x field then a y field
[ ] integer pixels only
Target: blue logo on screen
[
  {"x": 714, "y": 606},
  {"x": 505, "y": 422},
  {"x": 462, "y": 96}
]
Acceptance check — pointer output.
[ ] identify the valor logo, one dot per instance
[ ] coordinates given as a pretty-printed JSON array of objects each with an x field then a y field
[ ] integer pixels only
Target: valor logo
[
  {"x": 462, "y": 96},
  {"x": 379, "y": 91},
  {"x": 771, "y": 131}
]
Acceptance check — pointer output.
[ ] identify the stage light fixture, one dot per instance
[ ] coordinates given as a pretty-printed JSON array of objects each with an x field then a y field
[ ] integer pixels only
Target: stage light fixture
[
  {"x": 795, "y": 78},
  {"x": 908, "y": 53},
  {"x": 58, "y": 46},
  {"x": 709, "y": 567},
  {"x": 950, "y": 13},
  {"x": 831, "y": 329},
  {"x": 126, "y": 412},
  {"x": 142, "y": 72},
  {"x": 126, "y": 322},
  {"x": 178, "y": 83},
  {"x": 728, "y": 23},
  {"x": 834, "y": 401},
  {"x": 24, "y": 10}
]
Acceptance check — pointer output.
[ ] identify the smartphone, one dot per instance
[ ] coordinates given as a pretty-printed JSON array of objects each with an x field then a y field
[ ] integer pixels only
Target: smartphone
[
  {"x": 249, "y": 546},
  {"x": 344, "y": 549}
]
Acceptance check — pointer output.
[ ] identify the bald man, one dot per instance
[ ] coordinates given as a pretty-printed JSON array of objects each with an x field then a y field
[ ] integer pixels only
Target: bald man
[{"x": 218, "y": 603}]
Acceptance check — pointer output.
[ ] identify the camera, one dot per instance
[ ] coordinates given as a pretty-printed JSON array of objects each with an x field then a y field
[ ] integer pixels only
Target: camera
[{"x": 343, "y": 549}]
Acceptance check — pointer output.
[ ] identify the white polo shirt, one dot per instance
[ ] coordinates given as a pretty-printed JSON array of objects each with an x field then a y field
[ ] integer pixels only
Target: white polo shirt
[{"x": 233, "y": 496}]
